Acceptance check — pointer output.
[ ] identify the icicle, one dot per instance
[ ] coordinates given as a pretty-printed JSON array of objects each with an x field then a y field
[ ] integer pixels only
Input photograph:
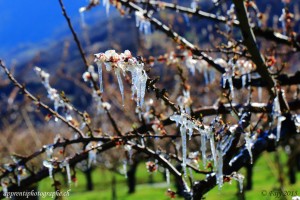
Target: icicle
[
  {"x": 213, "y": 148},
  {"x": 231, "y": 87},
  {"x": 206, "y": 78},
  {"x": 143, "y": 85},
  {"x": 194, "y": 5},
  {"x": 92, "y": 158},
  {"x": 189, "y": 125},
  {"x": 141, "y": 22},
  {"x": 125, "y": 168},
  {"x": 49, "y": 151},
  {"x": 106, "y": 4},
  {"x": 82, "y": 18},
  {"x": 129, "y": 150},
  {"x": 142, "y": 142},
  {"x": 4, "y": 184},
  {"x": 244, "y": 80},
  {"x": 183, "y": 139},
  {"x": 239, "y": 178},
  {"x": 219, "y": 174},
  {"x": 191, "y": 174},
  {"x": 19, "y": 179},
  {"x": 259, "y": 89},
  {"x": 68, "y": 173},
  {"x": 203, "y": 148},
  {"x": 99, "y": 64},
  {"x": 118, "y": 74},
  {"x": 168, "y": 176},
  {"x": 49, "y": 166},
  {"x": 279, "y": 121},
  {"x": 212, "y": 75},
  {"x": 249, "y": 144}
]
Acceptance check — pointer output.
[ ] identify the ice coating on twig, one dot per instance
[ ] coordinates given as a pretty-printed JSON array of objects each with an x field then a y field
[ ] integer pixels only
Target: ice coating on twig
[{"x": 53, "y": 95}]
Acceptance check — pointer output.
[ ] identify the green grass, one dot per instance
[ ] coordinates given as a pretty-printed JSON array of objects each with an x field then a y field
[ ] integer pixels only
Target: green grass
[{"x": 264, "y": 179}]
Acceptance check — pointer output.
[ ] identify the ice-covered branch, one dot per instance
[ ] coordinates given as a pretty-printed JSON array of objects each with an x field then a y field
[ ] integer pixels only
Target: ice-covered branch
[
  {"x": 172, "y": 34},
  {"x": 38, "y": 102},
  {"x": 266, "y": 33}
]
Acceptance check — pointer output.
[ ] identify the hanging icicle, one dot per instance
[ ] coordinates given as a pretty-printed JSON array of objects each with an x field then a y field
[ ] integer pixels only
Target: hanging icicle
[
  {"x": 142, "y": 22},
  {"x": 122, "y": 63},
  {"x": 219, "y": 173},
  {"x": 183, "y": 140},
  {"x": 168, "y": 176},
  {"x": 49, "y": 151},
  {"x": 277, "y": 114},
  {"x": 4, "y": 185},
  {"x": 120, "y": 82},
  {"x": 92, "y": 154},
  {"x": 240, "y": 178},
  {"x": 128, "y": 148},
  {"x": 125, "y": 168},
  {"x": 203, "y": 147},
  {"x": 280, "y": 119},
  {"x": 228, "y": 75},
  {"x": 106, "y": 4},
  {"x": 49, "y": 165},
  {"x": 259, "y": 93},
  {"x": 249, "y": 144},
  {"x": 66, "y": 164},
  {"x": 213, "y": 148},
  {"x": 186, "y": 127},
  {"x": 21, "y": 172}
]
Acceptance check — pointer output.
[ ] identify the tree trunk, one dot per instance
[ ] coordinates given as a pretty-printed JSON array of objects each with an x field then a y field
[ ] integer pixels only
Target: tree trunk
[
  {"x": 249, "y": 176},
  {"x": 131, "y": 178},
  {"x": 89, "y": 180},
  {"x": 113, "y": 186}
]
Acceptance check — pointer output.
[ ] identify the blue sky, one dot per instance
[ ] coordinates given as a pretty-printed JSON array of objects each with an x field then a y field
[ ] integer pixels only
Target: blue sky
[{"x": 30, "y": 22}]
